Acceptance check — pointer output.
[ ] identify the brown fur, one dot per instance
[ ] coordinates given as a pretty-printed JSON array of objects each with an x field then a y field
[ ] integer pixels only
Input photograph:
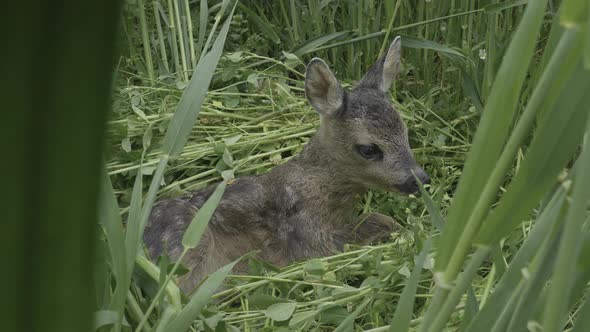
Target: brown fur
[{"x": 304, "y": 208}]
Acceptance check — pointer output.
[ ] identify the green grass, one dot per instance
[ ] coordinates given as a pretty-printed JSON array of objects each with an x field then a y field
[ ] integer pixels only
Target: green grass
[{"x": 513, "y": 209}]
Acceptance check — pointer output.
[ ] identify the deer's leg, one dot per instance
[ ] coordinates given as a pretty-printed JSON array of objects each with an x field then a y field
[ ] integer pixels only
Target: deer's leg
[{"x": 368, "y": 228}]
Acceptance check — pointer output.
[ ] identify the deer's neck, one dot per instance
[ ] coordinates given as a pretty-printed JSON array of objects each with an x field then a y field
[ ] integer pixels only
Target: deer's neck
[{"x": 327, "y": 189}]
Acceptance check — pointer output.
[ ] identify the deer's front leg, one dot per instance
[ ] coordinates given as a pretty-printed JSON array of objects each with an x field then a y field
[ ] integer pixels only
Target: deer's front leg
[{"x": 368, "y": 228}]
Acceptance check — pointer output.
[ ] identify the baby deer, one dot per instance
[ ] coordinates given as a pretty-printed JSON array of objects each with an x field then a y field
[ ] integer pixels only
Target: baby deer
[{"x": 305, "y": 207}]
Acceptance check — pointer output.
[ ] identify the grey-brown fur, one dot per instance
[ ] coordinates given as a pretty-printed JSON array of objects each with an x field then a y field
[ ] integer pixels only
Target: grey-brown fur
[{"x": 304, "y": 208}]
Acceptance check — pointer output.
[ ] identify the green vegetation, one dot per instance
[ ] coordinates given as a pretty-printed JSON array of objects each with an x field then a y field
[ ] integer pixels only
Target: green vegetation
[{"x": 495, "y": 98}]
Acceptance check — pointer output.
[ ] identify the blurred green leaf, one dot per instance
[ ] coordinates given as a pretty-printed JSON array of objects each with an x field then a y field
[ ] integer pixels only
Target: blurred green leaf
[{"x": 280, "y": 311}]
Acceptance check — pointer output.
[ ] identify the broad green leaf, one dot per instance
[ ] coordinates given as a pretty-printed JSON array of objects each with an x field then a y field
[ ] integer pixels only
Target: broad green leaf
[
  {"x": 280, "y": 311},
  {"x": 300, "y": 317},
  {"x": 315, "y": 267},
  {"x": 197, "y": 227},
  {"x": 403, "y": 312},
  {"x": 185, "y": 318}
]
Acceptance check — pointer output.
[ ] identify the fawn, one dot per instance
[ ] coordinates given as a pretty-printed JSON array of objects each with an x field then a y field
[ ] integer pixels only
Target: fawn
[{"x": 306, "y": 207}]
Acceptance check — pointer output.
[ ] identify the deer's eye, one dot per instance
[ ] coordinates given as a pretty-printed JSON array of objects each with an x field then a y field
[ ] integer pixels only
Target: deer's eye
[{"x": 369, "y": 151}]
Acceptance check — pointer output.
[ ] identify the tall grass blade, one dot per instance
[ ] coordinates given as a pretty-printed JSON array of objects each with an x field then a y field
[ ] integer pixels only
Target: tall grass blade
[
  {"x": 312, "y": 45},
  {"x": 498, "y": 7},
  {"x": 413, "y": 42},
  {"x": 403, "y": 312}
]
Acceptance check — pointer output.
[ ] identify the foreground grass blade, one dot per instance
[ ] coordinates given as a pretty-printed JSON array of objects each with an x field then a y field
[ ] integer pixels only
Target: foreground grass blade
[
  {"x": 533, "y": 292},
  {"x": 185, "y": 318},
  {"x": 433, "y": 210},
  {"x": 57, "y": 73},
  {"x": 552, "y": 82},
  {"x": 403, "y": 312},
  {"x": 488, "y": 142},
  {"x": 560, "y": 289},
  {"x": 555, "y": 141},
  {"x": 488, "y": 314},
  {"x": 197, "y": 227},
  {"x": 582, "y": 323}
]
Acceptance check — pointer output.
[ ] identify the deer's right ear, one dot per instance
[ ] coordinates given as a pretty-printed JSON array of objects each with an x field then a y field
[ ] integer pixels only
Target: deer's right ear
[{"x": 322, "y": 89}]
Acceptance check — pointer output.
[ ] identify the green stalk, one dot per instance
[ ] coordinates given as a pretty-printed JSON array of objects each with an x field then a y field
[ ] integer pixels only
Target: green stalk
[
  {"x": 163, "y": 53},
  {"x": 491, "y": 53},
  {"x": 463, "y": 282},
  {"x": 389, "y": 29},
  {"x": 191, "y": 39},
  {"x": 135, "y": 310},
  {"x": 400, "y": 28},
  {"x": 160, "y": 292},
  {"x": 147, "y": 48},
  {"x": 294, "y": 21},
  {"x": 180, "y": 40},
  {"x": 174, "y": 41},
  {"x": 213, "y": 29}
]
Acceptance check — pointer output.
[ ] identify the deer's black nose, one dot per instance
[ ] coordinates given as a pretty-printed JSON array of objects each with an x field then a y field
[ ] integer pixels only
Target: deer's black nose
[
  {"x": 422, "y": 176},
  {"x": 410, "y": 185}
]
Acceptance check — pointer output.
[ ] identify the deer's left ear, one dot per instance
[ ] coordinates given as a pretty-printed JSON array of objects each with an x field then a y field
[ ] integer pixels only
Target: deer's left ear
[{"x": 381, "y": 75}]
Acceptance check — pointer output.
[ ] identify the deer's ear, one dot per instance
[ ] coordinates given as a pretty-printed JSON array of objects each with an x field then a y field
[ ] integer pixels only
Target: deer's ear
[
  {"x": 322, "y": 89},
  {"x": 381, "y": 75}
]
